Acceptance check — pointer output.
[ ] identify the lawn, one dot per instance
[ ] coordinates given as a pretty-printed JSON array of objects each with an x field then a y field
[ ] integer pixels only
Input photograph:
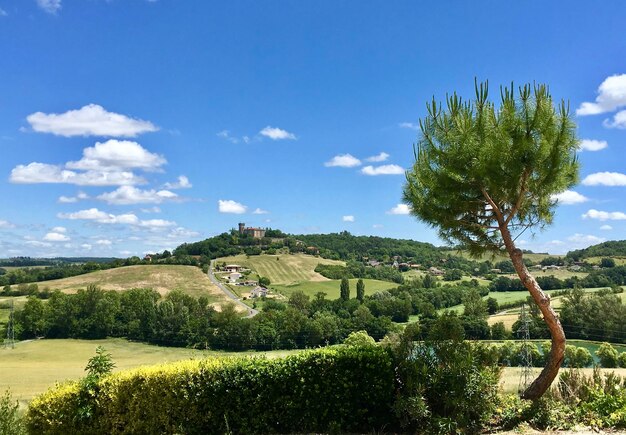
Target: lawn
[
  {"x": 331, "y": 287},
  {"x": 34, "y": 366},
  {"x": 162, "y": 278},
  {"x": 284, "y": 269},
  {"x": 509, "y": 380}
]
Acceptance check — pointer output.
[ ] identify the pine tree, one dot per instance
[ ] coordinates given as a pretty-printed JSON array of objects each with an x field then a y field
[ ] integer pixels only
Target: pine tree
[{"x": 484, "y": 174}]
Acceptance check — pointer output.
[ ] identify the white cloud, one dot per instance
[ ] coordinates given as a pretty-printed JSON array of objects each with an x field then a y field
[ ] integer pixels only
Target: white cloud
[
  {"x": 348, "y": 218},
  {"x": 117, "y": 155},
  {"x": 592, "y": 145},
  {"x": 225, "y": 134},
  {"x": 400, "y": 209},
  {"x": 56, "y": 237},
  {"x": 587, "y": 239},
  {"x": 383, "y": 156},
  {"x": 605, "y": 215},
  {"x": 3, "y": 13},
  {"x": 86, "y": 246},
  {"x": 102, "y": 217},
  {"x": 619, "y": 120},
  {"x": 6, "y": 224},
  {"x": 605, "y": 179},
  {"x": 38, "y": 244},
  {"x": 90, "y": 120},
  {"x": 377, "y": 226},
  {"x": 44, "y": 173},
  {"x": 104, "y": 242},
  {"x": 125, "y": 195},
  {"x": 72, "y": 199},
  {"x": 157, "y": 223},
  {"x": 275, "y": 133},
  {"x": 59, "y": 230},
  {"x": 409, "y": 125},
  {"x": 154, "y": 209},
  {"x": 181, "y": 183},
  {"x": 569, "y": 197},
  {"x": 606, "y": 227},
  {"x": 343, "y": 161},
  {"x": 611, "y": 96},
  {"x": 230, "y": 206},
  {"x": 49, "y": 6},
  {"x": 126, "y": 253},
  {"x": 383, "y": 170},
  {"x": 260, "y": 211}
]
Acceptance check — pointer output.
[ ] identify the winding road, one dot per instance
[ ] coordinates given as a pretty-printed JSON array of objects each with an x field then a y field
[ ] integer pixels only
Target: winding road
[{"x": 251, "y": 311}]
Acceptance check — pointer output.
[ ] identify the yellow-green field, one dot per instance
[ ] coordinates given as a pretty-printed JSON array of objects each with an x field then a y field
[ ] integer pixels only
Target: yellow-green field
[
  {"x": 331, "y": 287},
  {"x": 282, "y": 269},
  {"x": 619, "y": 261},
  {"x": 34, "y": 366},
  {"x": 509, "y": 380},
  {"x": 162, "y": 278},
  {"x": 536, "y": 258}
]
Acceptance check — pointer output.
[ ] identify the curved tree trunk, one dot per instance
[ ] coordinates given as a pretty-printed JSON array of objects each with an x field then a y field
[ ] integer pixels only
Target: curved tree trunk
[{"x": 557, "y": 351}]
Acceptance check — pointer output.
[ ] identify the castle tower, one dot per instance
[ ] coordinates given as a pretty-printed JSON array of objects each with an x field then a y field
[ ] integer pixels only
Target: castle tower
[{"x": 242, "y": 227}]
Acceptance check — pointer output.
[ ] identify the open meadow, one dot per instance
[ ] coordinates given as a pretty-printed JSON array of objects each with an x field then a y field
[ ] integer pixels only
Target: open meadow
[
  {"x": 282, "y": 269},
  {"x": 34, "y": 366},
  {"x": 331, "y": 287},
  {"x": 162, "y": 278}
]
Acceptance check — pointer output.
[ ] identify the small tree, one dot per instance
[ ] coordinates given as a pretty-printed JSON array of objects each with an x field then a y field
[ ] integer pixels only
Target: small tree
[
  {"x": 344, "y": 289},
  {"x": 360, "y": 290},
  {"x": 484, "y": 174},
  {"x": 608, "y": 355}
]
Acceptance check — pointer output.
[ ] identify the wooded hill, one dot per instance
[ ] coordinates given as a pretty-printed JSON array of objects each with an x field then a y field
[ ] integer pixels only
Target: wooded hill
[{"x": 613, "y": 248}]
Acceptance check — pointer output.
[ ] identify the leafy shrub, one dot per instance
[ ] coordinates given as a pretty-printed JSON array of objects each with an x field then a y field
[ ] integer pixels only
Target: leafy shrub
[
  {"x": 359, "y": 338},
  {"x": 444, "y": 387},
  {"x": 11, "y": 422},
  {"x": 607, "y": 355},
  {"x": 343, "y": 388}
]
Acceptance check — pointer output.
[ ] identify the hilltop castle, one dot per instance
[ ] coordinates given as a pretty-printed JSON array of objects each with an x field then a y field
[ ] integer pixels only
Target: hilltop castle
[{"x": 257, "y": 233}]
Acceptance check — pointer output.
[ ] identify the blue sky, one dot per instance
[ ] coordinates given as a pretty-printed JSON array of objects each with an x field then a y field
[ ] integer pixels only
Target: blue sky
[{"x": 130, "y": 126}]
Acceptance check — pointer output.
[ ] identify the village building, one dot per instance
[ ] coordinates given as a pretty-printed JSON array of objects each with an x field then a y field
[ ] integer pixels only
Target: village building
[
  {"x": 257, "y": 233},
  {"x": 258, "y": 292},
  {"x": 234, "y": 277},
  {"x": 233, "y": 268},
  {"x": 434, "y": 271}
]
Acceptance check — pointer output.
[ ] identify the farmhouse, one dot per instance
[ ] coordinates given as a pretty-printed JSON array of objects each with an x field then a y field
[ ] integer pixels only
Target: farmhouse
[
  {"x": 233, "y": 277},
  {"x": 233, "y": 268},
  {"x": 434, "y": 271},
  {"x": 258, "y": 292},
  {"x": 257, "y": 233}
]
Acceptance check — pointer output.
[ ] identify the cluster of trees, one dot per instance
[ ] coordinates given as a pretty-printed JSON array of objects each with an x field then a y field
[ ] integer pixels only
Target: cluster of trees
[
  {"x": 182, "y": 320},
  {"x": 354, "y": 269},
  {"x": 599, "y": 278},
  {"x": 599, "y": 316},
  {"x": 614, "y": 248}
]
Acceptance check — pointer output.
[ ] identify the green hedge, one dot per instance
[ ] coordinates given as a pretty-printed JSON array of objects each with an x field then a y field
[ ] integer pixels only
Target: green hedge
[{"x": 335, "y": 389}]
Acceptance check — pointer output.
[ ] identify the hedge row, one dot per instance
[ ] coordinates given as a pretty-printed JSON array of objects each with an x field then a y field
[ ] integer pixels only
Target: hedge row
[{"x": 336, "y": 389}]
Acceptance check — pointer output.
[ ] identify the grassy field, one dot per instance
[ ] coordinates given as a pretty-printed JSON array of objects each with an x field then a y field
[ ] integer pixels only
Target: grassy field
[
  {"x": 34, "y": 366},
  {"x": 162, "y": 278},
  {"x": 511, "y": 376},
  {"x": 536, "y": 258},
  {"x": 331, "y": 287},
  {"x": 282, "y": 269},
  {"x": 619, "y": 261}
]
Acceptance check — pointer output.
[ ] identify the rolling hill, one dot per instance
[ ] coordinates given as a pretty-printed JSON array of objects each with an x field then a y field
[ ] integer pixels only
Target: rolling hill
[{"x": 162, "y": 278}]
